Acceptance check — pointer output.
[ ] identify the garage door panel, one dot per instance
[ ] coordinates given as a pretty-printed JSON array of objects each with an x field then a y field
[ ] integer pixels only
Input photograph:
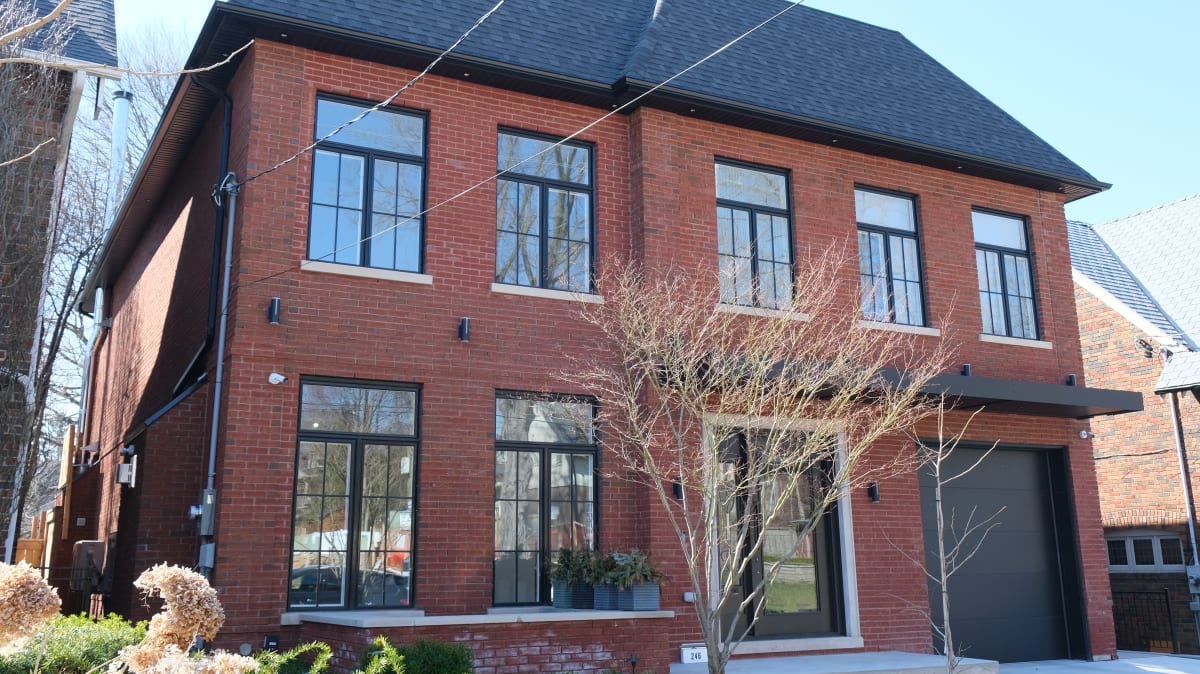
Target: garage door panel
[{"x": 1007, "y": 602}]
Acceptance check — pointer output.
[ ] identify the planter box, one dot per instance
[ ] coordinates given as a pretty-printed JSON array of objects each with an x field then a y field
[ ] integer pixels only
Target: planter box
[
  {"x": 578, "y": 595},
  {"x": 640, "y": 597},
  {"x": 604, "y": 597}
]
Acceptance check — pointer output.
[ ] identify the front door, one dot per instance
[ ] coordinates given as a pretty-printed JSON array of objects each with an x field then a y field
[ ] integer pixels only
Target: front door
[{"x": 803, "y": 598}]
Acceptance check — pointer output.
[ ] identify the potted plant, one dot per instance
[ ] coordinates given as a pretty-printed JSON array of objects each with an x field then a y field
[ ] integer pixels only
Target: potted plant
[
  {"x": 604, "y": 592},
  {"x": 636, "y": 581},
  {"x": 570, "y": 579}
]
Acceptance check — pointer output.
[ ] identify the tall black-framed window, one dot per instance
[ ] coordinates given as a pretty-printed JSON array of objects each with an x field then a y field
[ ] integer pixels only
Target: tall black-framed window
[
  {"x": 353, "y": 514},
  {"x": 1002, "y": 259},
  {"x": 544, "y": 213},
  {"x": 368, "y": 187},
  {"x": 889, "y": 261},
  {"x": 545, "y": 490},
  {"x": 754, "y": 241}
]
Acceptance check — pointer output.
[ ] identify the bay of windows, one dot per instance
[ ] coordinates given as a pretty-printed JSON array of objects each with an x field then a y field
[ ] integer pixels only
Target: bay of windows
[
  {"x": 889, "y": 266},
  {"x": 368, "y": 187},
  {"x": 545, "y": 496},
  {"x": 352, "y": 520},
  {"x": 754, "y": 247},
  {"x": 1006, "y": 296},
  {"x": 544, "y": 213}
]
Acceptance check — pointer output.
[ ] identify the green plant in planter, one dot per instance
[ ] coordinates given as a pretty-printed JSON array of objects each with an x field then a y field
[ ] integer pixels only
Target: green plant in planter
[
  {"x": 637, "y": 581},
  {"x": 604, "y": 592},
  {"x": 571, "y": 576}
]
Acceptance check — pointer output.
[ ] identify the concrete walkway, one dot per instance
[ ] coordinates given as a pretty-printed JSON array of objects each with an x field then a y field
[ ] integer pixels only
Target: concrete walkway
[{"x": 1127, "y": 662}]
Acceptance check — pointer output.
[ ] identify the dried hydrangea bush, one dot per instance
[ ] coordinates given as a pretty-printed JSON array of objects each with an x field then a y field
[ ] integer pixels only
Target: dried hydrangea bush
[{"x": 26, "y": 602}]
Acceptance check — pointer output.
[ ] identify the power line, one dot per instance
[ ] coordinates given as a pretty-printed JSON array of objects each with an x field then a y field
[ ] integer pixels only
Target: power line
[
  {"x": 548, "y": 148},
  {"x": 382, "y": 104}
]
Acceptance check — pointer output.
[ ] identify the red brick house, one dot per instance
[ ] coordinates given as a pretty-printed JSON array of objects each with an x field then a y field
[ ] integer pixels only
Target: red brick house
[
  {"x": 1136, "y": 290},
  {"x": 352, "y": 401}
]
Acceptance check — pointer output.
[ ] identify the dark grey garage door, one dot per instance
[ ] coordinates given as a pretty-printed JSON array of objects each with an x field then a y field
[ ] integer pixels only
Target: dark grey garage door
[{"x": 1017, "y": 599}]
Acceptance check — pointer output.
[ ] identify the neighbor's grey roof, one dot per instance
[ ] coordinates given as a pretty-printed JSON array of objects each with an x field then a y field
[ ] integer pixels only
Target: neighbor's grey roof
[
  {"x": 1094, "y": 259},
  {"x": 93, "y": 30},
  {"x": 1182, "y": 372},
  {"x": 1161, "y": 247},
  {"x": 807, "y": 64}
]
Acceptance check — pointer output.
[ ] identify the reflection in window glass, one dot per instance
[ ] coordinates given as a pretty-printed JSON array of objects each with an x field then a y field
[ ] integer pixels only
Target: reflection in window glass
[
  {"x": 327, "y": 407},
  {"x": 565, "y": 162},
  {"x": 1116, "y": 553},
  {"x": 549, "y": 421},
  {"x": 888, "y": 266},
  {"x": 1005, "y": 278},
  {"x": 754, "y": 247}
]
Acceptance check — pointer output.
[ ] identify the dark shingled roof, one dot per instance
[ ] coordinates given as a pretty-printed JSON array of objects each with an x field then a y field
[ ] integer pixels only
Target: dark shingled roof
[
  {"x": 808, "y": 64},
  {"x": 93, "y": 30},
  {"x": 1092, "y": 257}
]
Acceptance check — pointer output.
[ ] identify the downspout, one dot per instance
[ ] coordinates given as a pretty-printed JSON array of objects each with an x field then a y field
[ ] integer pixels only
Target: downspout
[
  {"x": 1185, "y": 477},
  {"x": 225, "y": 196}
]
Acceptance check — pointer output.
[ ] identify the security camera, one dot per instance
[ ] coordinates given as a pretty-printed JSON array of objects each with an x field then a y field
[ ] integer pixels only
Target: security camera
[
  {"x": 1086, "y": 435},
  {"x": 276, "y": 378}
]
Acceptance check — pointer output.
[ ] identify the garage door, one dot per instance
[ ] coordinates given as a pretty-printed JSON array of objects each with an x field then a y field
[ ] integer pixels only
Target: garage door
[{"x": 1017, "y": 599}]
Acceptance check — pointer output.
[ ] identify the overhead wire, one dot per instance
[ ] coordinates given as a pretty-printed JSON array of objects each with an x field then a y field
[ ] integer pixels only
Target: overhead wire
[{"x": 582, "y": 130}]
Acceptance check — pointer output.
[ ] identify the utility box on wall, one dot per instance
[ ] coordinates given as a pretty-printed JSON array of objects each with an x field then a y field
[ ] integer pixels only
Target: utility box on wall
[{"x": 87, "y": 560}]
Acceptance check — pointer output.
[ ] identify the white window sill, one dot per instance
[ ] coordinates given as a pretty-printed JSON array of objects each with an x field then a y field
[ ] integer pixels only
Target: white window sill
[
  {"x": 417, "y": 618},
  {"x": 1016, "y": 341},
  {"x": 545, "y": 293},
  {"x": 900, "y": 327},
  {"x": 759, "y": 311},
  {"x": 756, "y": 647},
  {"x": 366, "y": 272}
]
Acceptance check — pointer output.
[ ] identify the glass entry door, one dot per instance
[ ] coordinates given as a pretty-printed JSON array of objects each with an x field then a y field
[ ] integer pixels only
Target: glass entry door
[{"x": 804, "y": 595}]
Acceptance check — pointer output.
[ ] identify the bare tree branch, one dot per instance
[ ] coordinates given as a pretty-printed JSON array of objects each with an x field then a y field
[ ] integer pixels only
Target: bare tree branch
[
  {"x": 29, "y": 154},
  {"x": 32, "y": 26}
]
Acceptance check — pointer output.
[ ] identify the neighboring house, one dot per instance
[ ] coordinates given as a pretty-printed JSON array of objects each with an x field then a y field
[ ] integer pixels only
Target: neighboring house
[
  {"x": 1137, "y": 286},
  {"x": 29, "y": 197},
  {"x": 352, "y": 405}
]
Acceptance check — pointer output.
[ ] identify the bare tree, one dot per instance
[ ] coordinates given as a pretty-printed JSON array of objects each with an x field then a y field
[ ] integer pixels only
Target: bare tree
[
  {"x": 758, "y": 423},
  {"x": 959, "y": 536}
]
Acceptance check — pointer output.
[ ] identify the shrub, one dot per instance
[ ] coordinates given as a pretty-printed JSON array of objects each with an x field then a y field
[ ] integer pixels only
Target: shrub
[
  {"x": 73, "y": 645},
  {"x": 426, "y": 657},
  {"x": 310, "y": 658}
]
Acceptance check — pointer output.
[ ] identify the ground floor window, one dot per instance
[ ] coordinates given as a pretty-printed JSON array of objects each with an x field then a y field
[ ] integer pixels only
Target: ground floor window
[
  {"x": 545, "y": 496},
  {"x": 352, "y": 519},
  {"x": 1145, "y": 552}
]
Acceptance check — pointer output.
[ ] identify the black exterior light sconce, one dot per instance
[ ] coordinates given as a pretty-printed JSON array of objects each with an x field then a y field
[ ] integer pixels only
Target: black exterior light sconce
[
  {"x": 966, "y": 370},
  {"x": 273, "y": 311},
  {"x": 677, "y": 490},
  {"x": 1071, "y": 379},
  {"x": 464, "y": 330},
  {"x": 873, "y": 491}
]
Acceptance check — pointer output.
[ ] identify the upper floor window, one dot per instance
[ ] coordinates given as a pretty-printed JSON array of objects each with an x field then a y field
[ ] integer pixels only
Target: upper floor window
[
  {"x": 889, "y": 265},
  {"x": 544, "y": 213},
  {"x": 754, "y": 243},
  {"x": 368, "y": 187},
  {"x": 1005, "y": 278},
  {"x": 352, "y": 522},
  {"x": 1145, "y": 552},
  {"x": 545, "y": 491}
]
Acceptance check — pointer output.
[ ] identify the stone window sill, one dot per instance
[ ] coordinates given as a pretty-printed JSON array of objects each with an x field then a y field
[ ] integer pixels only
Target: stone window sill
[
  {"x": 1016, "y": 341},
  {"x": 546, "y": 293},
  {"x": 417, "y": 618},
  {"x": 366, "y": 272},
  {"x": 797, "y": 645}
]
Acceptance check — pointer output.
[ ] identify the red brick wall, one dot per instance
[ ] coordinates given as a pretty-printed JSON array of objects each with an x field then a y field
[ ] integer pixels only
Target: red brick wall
[{"x": 655, "y": 196}]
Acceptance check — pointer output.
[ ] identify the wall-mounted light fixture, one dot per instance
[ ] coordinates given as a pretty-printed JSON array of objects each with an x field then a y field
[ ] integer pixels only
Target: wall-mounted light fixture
[
  {"x": 677, "y": 490},
  {"x": 966, "y": 370},
  {"x": 873, "y": 491},
  {"x": 1071, "y": 379},
  {"x": 1086, "y": 435},
  {"x": 273, "y": 311},
  {"x": 464, "y": 330}
]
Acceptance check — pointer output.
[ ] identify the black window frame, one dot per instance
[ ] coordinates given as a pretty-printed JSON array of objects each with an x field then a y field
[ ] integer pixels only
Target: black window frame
[
  {"x": 355, "y": 493},
  {"x": 888, "y": 233},
  {"x": 1029, "y": 257},
  {"x": 545, "y": 185},
  {"x": 754, "y": 210},
  {"x": 369, "y": 156},
  {"x": 545, "y": 450}
]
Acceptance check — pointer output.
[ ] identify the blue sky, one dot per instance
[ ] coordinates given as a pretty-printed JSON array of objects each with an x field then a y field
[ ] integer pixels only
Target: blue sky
[{"x": 1113, "y": 85}]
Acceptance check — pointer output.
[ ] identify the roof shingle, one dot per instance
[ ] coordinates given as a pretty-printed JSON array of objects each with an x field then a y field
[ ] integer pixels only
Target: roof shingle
[{"x": 93, "y": 30}]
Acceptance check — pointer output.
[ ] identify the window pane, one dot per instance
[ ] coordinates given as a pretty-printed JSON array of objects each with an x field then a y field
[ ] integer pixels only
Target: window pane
[
  {"x": 1117, "y": 554},
  {"x": 998, "y": 230},
  {"x": 349, "y": 233},
  {"x": 884, "y": 210},
  {"x": 1143, "y": 551},
  {"x": 536, "y": 157},
  {"x": 548, "y": 421},
  {"x": 569, "y": 215},
  {"x": 1172, "y": 550},
  {"x": 326, "y": 166},
  {"x": 326, "y": 407},
  {"x": 386, "y": 130},
  {"x": 750, "y": 186},
  {"x": 322, "y": 233}
]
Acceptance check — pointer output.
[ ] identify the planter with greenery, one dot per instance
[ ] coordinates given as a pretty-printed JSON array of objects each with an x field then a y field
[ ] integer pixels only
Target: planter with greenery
[
  {"x": 636, "y": 581},
  {"x": 604, "y": 593},
  {"x": 571, "y": 579}
]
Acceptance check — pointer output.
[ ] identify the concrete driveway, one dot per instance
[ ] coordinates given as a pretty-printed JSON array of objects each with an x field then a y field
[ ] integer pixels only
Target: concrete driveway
[{"x": 1127, "y": 662}]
